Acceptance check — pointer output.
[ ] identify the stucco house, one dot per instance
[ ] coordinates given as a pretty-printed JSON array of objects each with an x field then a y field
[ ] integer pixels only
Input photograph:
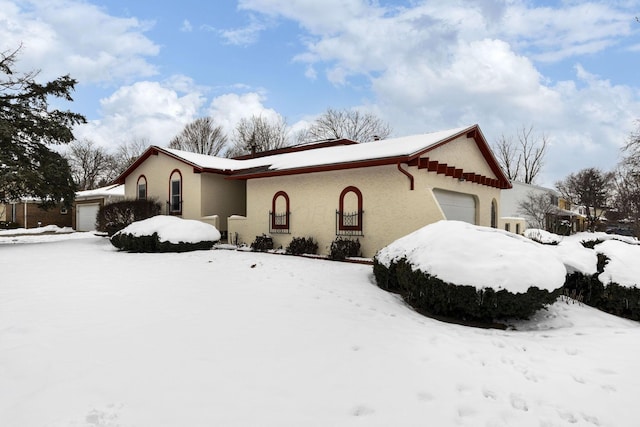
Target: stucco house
[{"x": 376, "y": 191}]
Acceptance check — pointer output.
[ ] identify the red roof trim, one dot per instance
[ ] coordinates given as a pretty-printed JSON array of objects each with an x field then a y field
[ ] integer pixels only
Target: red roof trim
[{"x": 154, "y": 151}]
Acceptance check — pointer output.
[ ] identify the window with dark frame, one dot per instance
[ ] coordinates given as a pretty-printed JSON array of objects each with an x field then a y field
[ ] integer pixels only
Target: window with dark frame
[
  {"x": 279, "y": 215},
  {"x": 350, "y": 213},
  {"x": 142, "y": 188},
  {"x": 175, "y": 193}
]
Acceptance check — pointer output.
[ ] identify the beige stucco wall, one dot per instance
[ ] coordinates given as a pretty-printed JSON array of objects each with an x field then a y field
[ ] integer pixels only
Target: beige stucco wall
[
  {"x": 463, "y": 153},
  {"x": 157, "y": 169},
  {"x": 391, "y": 209},
  {"x": 222, "y": 197}
]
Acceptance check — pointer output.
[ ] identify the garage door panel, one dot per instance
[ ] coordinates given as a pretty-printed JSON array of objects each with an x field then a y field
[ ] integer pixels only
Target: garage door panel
[
  {"x": 457, "y": 206},
  {"x": 86, "y": 215}
]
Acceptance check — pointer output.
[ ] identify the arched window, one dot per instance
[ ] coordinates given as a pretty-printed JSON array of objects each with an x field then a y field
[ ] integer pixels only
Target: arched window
[
  {"x": 175, "y": 193},
  {"x": 142, "y": 188},
  {"x": 349, "y": 214},
  {"x": 494, "y": 214},
  {"x": 280, "y": 213}
]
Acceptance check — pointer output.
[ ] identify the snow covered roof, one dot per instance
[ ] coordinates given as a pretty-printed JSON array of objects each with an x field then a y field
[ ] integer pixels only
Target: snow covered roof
[
  {"x": 327, "y": 156},
  {"x": 114, "y": 190}
]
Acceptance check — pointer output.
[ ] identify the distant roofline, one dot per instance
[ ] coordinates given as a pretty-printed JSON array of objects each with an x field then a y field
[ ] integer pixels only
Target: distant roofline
[{"x": 299, "y": 147}]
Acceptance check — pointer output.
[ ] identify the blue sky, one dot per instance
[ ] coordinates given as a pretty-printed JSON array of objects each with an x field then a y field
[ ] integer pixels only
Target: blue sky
[{"x": 147, "y": 68}]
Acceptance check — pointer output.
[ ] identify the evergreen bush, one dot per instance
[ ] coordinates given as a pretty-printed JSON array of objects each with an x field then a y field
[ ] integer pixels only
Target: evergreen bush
[
  {"x": 342, "y": 248},
  {"x": 262, "y": 243},
  {"x": 302, "y": 245},
  {"x": 130, "y": 243},
  {"x": 430, "y": 295},
  {"x": 116, "y": 216}
]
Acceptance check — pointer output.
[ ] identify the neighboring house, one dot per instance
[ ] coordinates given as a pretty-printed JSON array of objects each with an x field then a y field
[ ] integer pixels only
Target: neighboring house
[
  {"x": 27, "y": 213},
  {"x": 560, "y": 218},
  {"x": 88, "y": 203},
  {"x": 376, "y": 191}
]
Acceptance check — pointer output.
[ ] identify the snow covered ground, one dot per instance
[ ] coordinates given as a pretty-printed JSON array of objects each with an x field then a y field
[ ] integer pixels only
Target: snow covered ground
[{"x": 94, "y": 337}]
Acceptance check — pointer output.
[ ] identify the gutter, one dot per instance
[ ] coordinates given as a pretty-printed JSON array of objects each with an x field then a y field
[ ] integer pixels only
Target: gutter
[{"x": 408, "y": 176}]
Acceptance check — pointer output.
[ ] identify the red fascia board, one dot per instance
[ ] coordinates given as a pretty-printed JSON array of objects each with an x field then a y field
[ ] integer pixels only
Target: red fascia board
[
  {"x": 154, "y": 151},
  {"x": 475, "y": 133}
]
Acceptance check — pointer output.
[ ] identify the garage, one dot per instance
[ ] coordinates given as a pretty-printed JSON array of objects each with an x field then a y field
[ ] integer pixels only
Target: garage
[
  {"x": 86, "y": 215},
  {"x": 457, "y": 206}
]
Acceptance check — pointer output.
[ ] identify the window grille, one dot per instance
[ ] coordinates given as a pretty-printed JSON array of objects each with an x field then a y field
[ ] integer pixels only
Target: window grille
[
  {"x": 279, "y": 222},
  {"x": 349, "y": 223}
]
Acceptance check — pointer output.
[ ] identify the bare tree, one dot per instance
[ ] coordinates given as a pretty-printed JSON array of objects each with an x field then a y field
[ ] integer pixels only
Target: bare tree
[
  {"x": 256, "y": 134},
  {"x": 128, "y": 152},
  {"x": 508, "y": 156},
  {"x": 626, "y": 195},
  {"x": 349, "y": 124},
  {"x": 536, "y": 208},
  {"x": 91, "y": 165},
  {"x": 522, "y": 157},
  {"x": 201, "y": 136},
  {"x": 590, "y": 188},
  {"x": 631, "y": 150}
]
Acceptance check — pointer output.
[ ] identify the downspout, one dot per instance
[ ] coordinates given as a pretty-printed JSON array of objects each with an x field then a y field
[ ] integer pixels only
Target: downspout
[
  {"x": 408, "y": 176},
  {"x": 25, "y": 214}
]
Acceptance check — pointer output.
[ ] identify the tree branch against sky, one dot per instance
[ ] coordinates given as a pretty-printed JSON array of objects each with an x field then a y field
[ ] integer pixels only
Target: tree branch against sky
[
  {"x": 28, "y": 125},
  {"x": 522, "y": 157},
  {"x": 350, "y": 124},
  {"x": 202, "y": 136}
]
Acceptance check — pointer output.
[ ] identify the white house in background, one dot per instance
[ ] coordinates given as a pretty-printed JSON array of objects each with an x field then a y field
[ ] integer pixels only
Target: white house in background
[
  {"x": 88, "y": 203},
  {"x": 375, "y": 192},
  {"x": 562, "y": 220}
]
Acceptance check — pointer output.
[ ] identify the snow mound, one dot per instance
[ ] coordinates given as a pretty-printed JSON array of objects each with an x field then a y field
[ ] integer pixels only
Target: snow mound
[
  {"x": 38, "y": 230},
  {"x": 542, "y": 236},
  {"x": 465, "y": 254},
  {"x": 623, "y": 267},
  {"x": 173, "y": 230}
]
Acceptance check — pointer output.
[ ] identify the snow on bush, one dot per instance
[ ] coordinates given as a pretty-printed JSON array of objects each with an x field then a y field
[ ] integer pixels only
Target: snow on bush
[
  {"x": 165, "y": 234},
  {"x": 623, "y": 267},
  {"x": 173, "y": 229},
  {"x": 542, "y": 236},
  {"x": 464, "y": 254}
]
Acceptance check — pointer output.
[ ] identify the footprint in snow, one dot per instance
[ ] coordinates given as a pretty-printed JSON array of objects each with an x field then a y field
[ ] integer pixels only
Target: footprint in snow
[
  {"x": 517, "y": 402},
  {"x": 361, "y": 410}
]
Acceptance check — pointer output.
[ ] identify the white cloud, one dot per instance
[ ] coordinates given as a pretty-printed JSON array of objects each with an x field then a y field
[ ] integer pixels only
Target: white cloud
[
  {"x": 186, "y": 26},
  {"x": 244, "y": 35},
  {"x": 433, "y": 65},
  {"x": 152, "y": 110},
  {"x": 60, "y": 37},
  {"x": 228, "y": 109}
]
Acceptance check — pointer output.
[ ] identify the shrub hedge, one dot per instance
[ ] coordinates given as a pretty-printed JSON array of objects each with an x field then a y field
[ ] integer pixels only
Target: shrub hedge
[
  {"x": 130, "y": 243},
  {"x": 342, "y": 248},
  {"x": 611, "y": 298},
  {"x": 302, "y": 245},
  {"x": 116, "y": 216},
  {"x": 430, "y": 295},
  {"x": 262, "y": 243}
]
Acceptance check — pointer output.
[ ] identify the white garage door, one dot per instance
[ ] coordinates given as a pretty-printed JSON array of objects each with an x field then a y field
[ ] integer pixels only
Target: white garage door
[
  {"x": 457, "y": 206},
  {"x": 86, "y": 216}
]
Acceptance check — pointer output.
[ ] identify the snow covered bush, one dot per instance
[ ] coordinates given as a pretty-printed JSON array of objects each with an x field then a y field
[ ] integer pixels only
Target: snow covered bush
[
  {"x": 471, "y": 273},
  {"x": 343, "y": 248},
  {"x": 302, "y": 245},
  {"x": 166, "y": 234},
  {"x": 113, "y": 217},
  {"x": 262, "y": 243}
]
